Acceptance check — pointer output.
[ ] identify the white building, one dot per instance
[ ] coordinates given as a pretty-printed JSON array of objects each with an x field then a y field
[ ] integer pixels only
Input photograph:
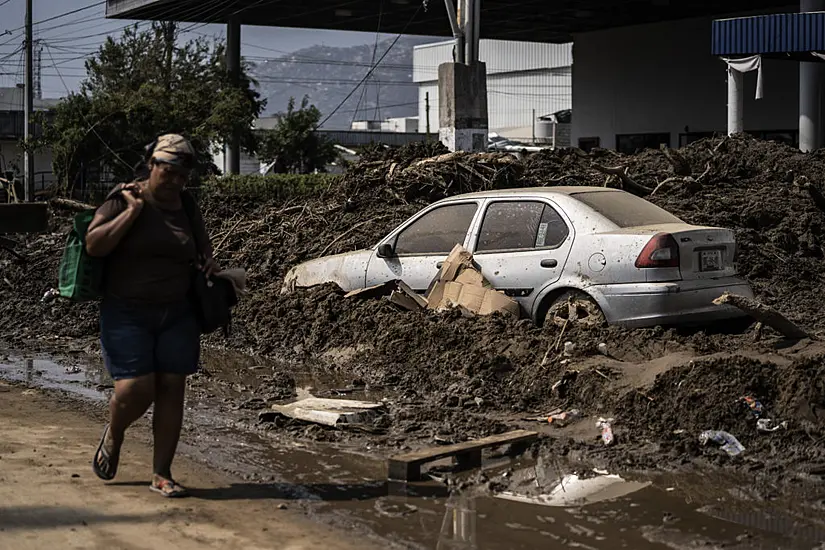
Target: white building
[
  {"x": 524, "y": 81},
  {"x": 11, "y": 133},
  {"x": 408, "y": 124}
]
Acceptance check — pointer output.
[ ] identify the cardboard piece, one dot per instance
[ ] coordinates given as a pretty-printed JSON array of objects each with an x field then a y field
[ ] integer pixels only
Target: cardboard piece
[
  {"x": 331, "y": 412},
  {"x": 397, "y": 292},
  {"x": 376, "y": 291},
  {"x": 460, "y": 284}
]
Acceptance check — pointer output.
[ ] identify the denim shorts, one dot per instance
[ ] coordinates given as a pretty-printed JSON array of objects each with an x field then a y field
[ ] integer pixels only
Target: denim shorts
[{"x": 141, "y": 339}]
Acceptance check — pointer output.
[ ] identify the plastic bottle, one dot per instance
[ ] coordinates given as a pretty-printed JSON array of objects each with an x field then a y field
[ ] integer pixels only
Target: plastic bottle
[{"x": 727, "y": 442}]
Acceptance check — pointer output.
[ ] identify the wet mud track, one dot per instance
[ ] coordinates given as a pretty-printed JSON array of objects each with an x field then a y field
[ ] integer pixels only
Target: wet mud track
[{"x": 527, "y": 503}]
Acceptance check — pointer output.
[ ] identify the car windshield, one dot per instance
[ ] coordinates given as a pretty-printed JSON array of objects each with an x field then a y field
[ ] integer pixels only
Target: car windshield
[{"x": 624, "y": 209}]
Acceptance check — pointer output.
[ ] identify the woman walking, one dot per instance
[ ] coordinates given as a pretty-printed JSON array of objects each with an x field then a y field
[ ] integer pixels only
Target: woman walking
[{"x": 149, "y": 333}]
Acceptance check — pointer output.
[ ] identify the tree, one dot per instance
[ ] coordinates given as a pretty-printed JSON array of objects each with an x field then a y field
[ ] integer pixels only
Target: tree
[
  {"x": 294, "y": 145},
  {"x": 143, "y": 85}
]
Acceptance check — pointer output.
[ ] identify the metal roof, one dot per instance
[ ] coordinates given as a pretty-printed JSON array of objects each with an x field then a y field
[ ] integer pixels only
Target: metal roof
[
  {"x": 526, "y": 20},
  {"x": 779, "y": 35}
]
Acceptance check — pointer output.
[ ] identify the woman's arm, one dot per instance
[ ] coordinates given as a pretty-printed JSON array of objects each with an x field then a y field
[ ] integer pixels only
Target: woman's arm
[
  {"x": 105, "y": 233},
  {"x": 208, "y": 263}
]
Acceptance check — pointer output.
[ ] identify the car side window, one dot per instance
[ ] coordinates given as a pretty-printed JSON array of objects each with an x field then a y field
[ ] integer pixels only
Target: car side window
[
  {"x": 553, "y": 229},
  {"x": 437, "y": 231},
  {"x": 520, "y": 225}
]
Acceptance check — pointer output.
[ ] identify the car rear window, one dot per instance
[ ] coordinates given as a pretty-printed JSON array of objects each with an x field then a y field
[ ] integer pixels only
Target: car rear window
[{"x": 624, "y": 209}]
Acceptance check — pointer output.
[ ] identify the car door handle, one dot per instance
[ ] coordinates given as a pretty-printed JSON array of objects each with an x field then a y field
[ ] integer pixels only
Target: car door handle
[
  {"x": 549, "y": 263},
  {"x": 439, "y": 264}
]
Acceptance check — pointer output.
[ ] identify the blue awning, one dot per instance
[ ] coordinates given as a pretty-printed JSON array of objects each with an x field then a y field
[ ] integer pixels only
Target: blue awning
[{"x": 777, "y": 35}]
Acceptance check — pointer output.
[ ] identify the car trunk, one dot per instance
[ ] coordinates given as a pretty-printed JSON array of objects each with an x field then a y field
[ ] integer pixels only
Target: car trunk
[{"x": 704, "y": 252}]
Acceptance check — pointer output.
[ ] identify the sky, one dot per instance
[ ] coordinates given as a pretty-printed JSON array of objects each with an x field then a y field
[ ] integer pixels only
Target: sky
[{"x": 69, "y": 39}]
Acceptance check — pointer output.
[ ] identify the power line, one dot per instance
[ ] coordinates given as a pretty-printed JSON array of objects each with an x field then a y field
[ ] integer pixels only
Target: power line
[
  {"x": 366, "y": 76},
  {"x": 91, "y": 126}
]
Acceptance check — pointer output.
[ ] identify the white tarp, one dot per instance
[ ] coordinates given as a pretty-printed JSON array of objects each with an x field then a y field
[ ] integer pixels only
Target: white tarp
[{"x": 745, "y": 65}]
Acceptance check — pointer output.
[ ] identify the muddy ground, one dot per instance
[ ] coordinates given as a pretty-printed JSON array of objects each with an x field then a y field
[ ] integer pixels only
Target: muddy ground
[{"x": 448, "y": 378}]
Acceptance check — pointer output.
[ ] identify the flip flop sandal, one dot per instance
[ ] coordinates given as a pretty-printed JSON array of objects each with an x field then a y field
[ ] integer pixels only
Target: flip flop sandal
[
  {"x": 108, "y": 469},
  {"x": 169, "y": 489}
]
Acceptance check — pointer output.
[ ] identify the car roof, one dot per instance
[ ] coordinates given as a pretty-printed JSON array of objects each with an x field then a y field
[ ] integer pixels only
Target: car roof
[{"x": 542, "y": 191}]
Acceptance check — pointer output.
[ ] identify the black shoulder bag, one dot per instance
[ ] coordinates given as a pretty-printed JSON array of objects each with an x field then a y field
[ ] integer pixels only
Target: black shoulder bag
[{"x": 213, "y": 298}]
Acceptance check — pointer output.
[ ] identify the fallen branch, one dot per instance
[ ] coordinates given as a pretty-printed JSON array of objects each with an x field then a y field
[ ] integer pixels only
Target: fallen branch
[
  {"x": 664, "y": 182},
  {"x": 704, "y": 174},
  {"x": 70, "y": 204},
  {"x": 764, "y": 314},
  {"x": 350, "y": 230},
  {"x": 629, "y": 182},
  {"x": 680, "y": 166},
  {"x": 226, "y": 236}
]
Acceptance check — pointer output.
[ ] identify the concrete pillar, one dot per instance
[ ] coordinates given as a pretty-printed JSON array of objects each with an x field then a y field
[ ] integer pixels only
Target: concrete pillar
[
  {"x": 811, "y": 94},
  {"x": 462, "y": 106},
  {"x": 736, "y": 102},
  {"x": 233, "y": 65}
]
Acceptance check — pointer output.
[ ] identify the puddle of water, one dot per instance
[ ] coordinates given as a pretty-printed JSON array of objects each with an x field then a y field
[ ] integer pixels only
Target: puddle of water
[
  {"x": 542, "y": 505},
  {"x": 89, "y": 380}
]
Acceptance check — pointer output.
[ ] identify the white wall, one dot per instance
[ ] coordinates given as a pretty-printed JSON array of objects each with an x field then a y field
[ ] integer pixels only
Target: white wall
[
  {"x": 521, "y": 77},
  {"x": 662, "y": 77},
  {"x": 512, "y": 99},
  {"x": 11, "y": 158}
]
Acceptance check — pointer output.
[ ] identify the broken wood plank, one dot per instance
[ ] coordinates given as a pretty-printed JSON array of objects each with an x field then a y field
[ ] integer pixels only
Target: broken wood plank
[
  {"x": 764, "y": 314},
  {"x": 407, "y": 467}
]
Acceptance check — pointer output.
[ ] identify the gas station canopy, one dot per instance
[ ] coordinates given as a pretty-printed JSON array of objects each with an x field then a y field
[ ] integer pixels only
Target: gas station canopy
[{"x": 525, "y": 20}]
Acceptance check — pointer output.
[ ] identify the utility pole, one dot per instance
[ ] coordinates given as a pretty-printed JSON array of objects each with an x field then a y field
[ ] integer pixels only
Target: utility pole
[
  {"x": 169, "y": 39},
  {"x": 28, "y": 170},
  {"x": 427, "y": 111}
]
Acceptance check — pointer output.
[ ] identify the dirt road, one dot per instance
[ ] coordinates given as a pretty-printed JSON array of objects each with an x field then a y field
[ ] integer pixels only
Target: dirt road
[{"x": 49, "y": 497}]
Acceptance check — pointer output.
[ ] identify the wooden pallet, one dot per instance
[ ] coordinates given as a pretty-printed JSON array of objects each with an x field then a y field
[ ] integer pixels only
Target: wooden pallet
[{"x": 407, "y": 467}]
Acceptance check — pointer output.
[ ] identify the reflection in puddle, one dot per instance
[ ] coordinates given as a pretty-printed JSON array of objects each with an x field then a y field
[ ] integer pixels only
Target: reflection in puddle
[
  {"x": 458, "y": 529},
  {"x": 573, "y": 490},
  {"x": 89, "y": 380}
]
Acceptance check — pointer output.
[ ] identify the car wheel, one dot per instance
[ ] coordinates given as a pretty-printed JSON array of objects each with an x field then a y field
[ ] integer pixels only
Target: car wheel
[{"x": 574, "y": 308}]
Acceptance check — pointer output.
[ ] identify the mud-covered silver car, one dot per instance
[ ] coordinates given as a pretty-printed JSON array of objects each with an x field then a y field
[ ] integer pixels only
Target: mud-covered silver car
[{"x": 619, "y": 255}]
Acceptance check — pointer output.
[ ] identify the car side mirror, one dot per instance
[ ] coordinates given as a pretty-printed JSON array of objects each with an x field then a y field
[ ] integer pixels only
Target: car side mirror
[{"x": 386, "y": 251}]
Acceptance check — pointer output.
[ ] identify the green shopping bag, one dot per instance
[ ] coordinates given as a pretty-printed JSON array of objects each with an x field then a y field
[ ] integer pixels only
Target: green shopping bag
[{"x": 81, "y": 275}]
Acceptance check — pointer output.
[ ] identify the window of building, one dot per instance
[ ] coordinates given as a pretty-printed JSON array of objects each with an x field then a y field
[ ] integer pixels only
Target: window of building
[
  {"x": 587, "y": 144},
  {"x": 630, "y": 143},
  {"x": 437, "y": 231},
  {"x": 522, "y": 225}
]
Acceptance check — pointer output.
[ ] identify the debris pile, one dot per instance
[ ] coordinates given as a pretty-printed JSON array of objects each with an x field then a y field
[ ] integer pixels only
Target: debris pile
[{"x": 458, "y": 377}]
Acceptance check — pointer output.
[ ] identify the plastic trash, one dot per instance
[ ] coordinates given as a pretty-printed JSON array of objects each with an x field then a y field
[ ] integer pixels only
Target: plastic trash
[
  {"x": 607, "y": 430},
  {"x": 602, "y": 349},
  {"x": 768, "y": 425},
  {"x": 569, "y": 348},
  {"x": 564, "y": 418},
  {"x": 726, "y": 441},
  {"x": 73, "y": 370},
  {"x": 755, "y": 406},
  {"x": 50, "y": 295}
]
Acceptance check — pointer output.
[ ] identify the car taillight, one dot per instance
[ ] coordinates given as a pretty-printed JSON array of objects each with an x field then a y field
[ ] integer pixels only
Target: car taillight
[{"x": 661, "y": 251}]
